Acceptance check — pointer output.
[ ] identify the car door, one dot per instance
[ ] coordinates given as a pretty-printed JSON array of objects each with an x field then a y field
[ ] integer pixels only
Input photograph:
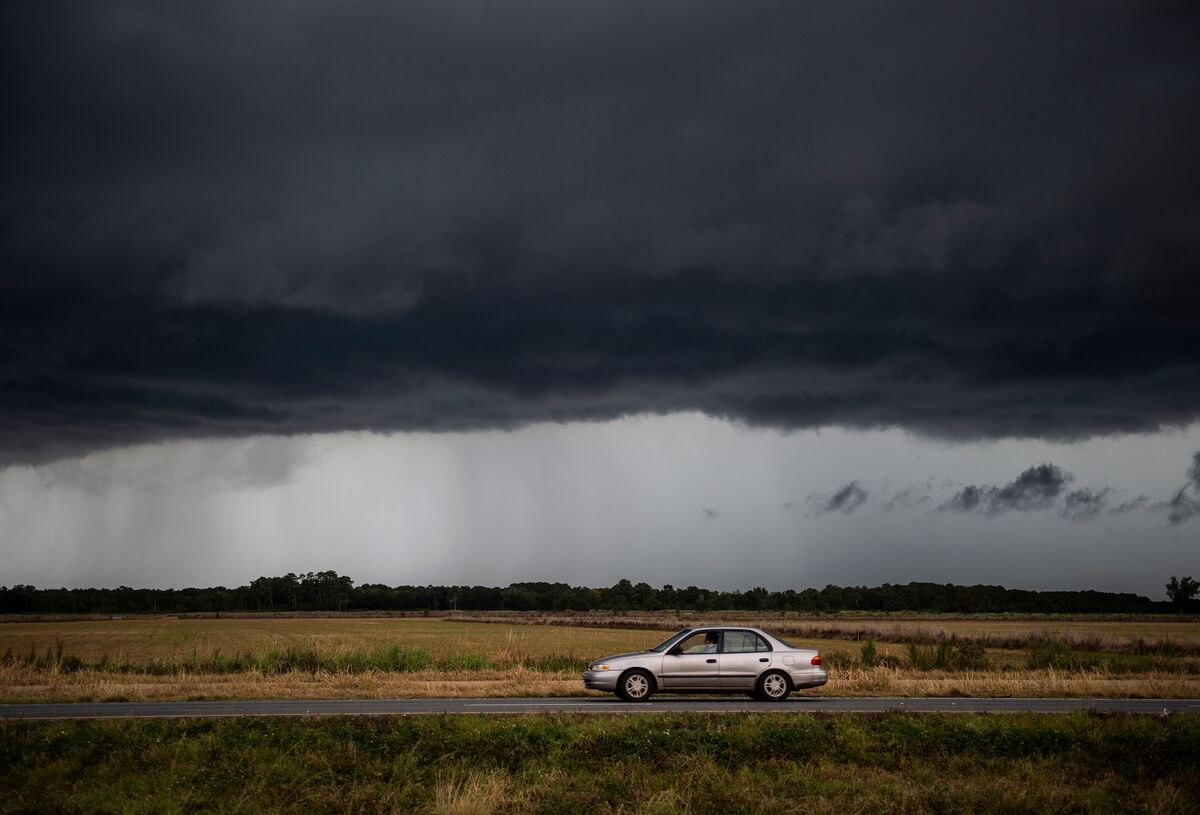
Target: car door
[
  {"x": 744, "y": 655},
  {"x": 692, "y": 664}
]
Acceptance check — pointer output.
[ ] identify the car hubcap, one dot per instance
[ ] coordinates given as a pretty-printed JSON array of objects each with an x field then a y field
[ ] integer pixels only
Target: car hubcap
[
  {"x": 636, "y": 686},
  {"x": 774, "y": 686}
]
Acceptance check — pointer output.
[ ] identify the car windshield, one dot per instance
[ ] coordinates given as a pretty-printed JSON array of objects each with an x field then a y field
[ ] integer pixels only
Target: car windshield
[{"x": 662, "y": 646}]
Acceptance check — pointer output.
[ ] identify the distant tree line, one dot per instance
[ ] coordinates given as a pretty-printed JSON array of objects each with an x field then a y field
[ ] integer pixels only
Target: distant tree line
[{"x": 329, "y": 591}]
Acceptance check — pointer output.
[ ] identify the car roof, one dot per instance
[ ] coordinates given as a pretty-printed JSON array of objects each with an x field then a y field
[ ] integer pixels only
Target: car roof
[{"x": 755, "y": 629}]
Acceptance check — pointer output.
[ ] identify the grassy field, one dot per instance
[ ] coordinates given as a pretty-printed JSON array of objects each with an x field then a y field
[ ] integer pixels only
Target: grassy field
[
  {"x": 1101, "y": 633},
  {"x": 21, "y": 685},
  {"x": 515, "y": 637},
  {"x": 169, "y": 658},
  {"x": 606, "y": 764},
  {"x": 148, "y": 638}
]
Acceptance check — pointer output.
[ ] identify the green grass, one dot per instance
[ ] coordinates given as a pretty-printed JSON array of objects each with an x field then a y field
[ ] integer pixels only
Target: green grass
[{"x": 634, "y": 763}]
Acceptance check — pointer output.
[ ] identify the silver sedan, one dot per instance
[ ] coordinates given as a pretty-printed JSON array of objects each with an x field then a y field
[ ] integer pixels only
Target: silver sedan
[{"x": 710, "y": 659}]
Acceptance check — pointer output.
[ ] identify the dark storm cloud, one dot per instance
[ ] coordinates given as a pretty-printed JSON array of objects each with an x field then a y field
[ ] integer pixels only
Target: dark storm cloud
[
  {"x": 1035, "y": 489},
  {"x": 967, "y": 500},
  {"x": 1084, "y": 504},
  {"x": 910, "y": 497},
  {"x": 1183, "y": 506},
  {"x": 846, "y": 499},
  {"x": 248, "y": 217},
  {"x": 1185, "y": 503},
  {"x": 1130, "y": 506}
]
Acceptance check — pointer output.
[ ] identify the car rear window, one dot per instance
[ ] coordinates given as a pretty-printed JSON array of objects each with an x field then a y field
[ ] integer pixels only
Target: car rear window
[{"x": 782, "y": 641}]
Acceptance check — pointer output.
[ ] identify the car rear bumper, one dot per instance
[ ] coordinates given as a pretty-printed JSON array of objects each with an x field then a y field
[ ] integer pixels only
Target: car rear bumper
[
  {"x": 811, "y": 678},
  {"x": 600, "y": 680}
]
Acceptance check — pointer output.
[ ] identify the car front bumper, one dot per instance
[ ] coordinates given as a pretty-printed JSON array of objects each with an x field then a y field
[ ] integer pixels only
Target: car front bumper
[{"x": 601, "y": 680}]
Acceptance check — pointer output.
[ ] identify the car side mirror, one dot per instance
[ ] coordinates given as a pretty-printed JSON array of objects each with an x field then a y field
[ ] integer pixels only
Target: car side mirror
[{"x": 675, "y": 651}]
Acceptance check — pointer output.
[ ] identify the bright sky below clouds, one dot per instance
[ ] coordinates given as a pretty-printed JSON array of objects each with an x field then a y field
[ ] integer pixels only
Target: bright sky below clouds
[{"x": 680, "y": 499}]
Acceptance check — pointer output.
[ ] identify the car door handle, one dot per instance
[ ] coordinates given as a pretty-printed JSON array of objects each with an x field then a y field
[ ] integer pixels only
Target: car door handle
[
  {"x": 763, "y": 659},
  {"x": 710, "y": 660}
]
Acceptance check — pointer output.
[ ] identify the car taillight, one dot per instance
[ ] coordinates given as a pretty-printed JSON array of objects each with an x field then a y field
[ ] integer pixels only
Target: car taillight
[{"x": 816, "y": 660}]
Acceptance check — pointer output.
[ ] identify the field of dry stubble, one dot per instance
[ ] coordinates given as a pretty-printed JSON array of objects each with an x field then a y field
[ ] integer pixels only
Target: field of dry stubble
[{"x": 512, "y": 655}]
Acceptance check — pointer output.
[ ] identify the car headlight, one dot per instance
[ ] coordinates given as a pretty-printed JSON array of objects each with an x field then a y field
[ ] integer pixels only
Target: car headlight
[{"x": 599, "y": 667}]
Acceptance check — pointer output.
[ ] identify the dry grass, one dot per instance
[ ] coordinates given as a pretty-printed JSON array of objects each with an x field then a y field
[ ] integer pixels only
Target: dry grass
[
  {"x": 883, "y": 681},
  {"x": 1100, "y": 633},
  {"x": 578, "y": 636},
  {"x": 139, "y": 640},
  {"x": 20, "y": 684},
  {"x": 145, "y": 638},
  {"x": 478, "y": 793}
]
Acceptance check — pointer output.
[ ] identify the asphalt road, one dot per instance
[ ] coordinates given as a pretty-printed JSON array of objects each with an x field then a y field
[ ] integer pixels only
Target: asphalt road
[{"x": 405, "y": 707}]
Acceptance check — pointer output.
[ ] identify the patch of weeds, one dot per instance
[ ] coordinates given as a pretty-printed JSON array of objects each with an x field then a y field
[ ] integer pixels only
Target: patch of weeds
[
  {"x": 1055, "y": 653},
  {"x": 963, "y": 655},
  {"x": 466, "y": 661},
  {"x": 929, "y": 657},
  {"x": 969, "y": 656},
  {"x": 869, "y": 654},
  {"x": 555, "y": 663},
  {"x": 836, "y": 660}
]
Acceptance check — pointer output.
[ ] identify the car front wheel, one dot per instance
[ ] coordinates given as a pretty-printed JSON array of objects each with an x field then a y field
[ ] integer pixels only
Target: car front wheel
[
  {"x": 635, "y": 686},
  {"x": 773, "y": 686}
]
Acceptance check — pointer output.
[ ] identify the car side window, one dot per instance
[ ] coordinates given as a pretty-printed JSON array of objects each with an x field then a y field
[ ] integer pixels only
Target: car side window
[
  {"x": 704, "y": 642},
  {"x": 744, "y": 642}
]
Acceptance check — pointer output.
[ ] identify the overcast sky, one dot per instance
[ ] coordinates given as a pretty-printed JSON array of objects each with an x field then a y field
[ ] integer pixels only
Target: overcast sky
[{"x": 691, "y": 292}]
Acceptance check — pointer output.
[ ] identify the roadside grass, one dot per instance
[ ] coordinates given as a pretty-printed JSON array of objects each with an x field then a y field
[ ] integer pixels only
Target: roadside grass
[
  {"x": 475, "y": 793},
  {"x": 20, "y": 684},
  {"x": 1046, "y": 652},
  {"x": 1140, "y": 634},
  {"x": 390, "y": 658},
  {"x": 149, "y": 637},
  {"x": 583, "y": 635},
  {"x": 946, "y": 655},
  {"x": 23, "y": 685},
  {"x": 167, "y": 646},
  {"x": 665, "y": 763},
  {"x": 891, "y": 681},
  {"x": 339, "y": 658}
]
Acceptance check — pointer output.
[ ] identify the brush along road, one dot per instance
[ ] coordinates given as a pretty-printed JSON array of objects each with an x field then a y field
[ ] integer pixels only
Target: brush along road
[{"x": 394, "y": 707}]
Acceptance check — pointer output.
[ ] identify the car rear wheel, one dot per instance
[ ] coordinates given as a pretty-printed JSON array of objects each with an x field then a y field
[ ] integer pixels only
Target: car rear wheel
[
  {"x": 636, "y": 686},
  {"x": 773, "y": 686}
]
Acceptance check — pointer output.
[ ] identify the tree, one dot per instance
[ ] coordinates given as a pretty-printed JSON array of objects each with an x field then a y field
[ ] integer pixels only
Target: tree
[{"x": 1181, "y": 591}]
